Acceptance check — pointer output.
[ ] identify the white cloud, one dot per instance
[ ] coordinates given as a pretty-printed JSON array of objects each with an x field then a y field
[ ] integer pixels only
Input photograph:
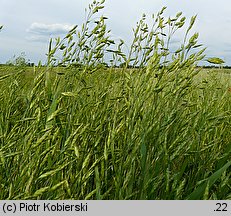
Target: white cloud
[
  {"x": 52, "y": 20},
  {"x": 49, "y": 29},
  {"x": 41, "y": 32}
]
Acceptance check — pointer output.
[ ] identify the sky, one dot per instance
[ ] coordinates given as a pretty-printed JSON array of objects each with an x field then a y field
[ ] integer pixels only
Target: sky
[{"x": 29, "y": 24}]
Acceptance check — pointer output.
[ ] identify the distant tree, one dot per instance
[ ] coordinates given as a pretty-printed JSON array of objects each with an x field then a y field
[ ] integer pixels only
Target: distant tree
[
  {"x": 19, "y": 60},
  {"x": 30, "y": 64},
  {"x": 10, "y": 62}
]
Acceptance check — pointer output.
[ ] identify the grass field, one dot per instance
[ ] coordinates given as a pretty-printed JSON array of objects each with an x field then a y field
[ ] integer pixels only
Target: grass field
[
  {"x": 75, "y": 129},
  {"x": 110, "y": 138}
]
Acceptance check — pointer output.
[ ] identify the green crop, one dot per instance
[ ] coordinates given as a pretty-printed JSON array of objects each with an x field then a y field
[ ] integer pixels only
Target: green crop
[{"x": 100, "y": 123}]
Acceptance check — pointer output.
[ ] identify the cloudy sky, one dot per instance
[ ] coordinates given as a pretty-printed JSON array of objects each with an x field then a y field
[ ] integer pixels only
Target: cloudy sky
[{"x": 29, "y": 24}]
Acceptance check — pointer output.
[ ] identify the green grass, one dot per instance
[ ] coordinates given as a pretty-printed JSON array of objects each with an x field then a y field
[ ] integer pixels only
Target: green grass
[
  {"x": 86, "y": 131},
  {"x": 107, "y": 139}
]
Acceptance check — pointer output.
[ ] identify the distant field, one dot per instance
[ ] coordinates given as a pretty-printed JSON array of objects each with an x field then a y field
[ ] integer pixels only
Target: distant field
[{"x": 221, "y": 76}]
